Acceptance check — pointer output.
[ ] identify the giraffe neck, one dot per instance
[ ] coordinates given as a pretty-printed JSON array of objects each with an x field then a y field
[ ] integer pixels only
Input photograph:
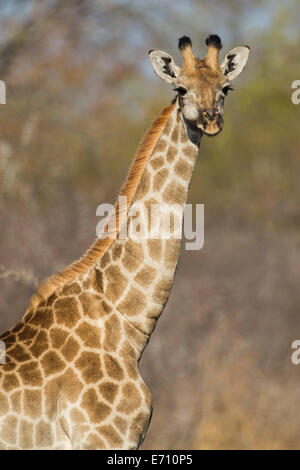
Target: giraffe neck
[
  {"x": 71, "y": 379},
  {"x": 138, "y": 272}
]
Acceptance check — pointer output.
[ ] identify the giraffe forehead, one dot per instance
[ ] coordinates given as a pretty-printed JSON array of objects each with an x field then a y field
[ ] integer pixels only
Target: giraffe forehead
[{"x": 203, "y": 79}]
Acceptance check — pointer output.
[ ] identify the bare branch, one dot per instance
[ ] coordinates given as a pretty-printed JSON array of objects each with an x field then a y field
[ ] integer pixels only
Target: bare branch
[{"x": 25, "y": 276}]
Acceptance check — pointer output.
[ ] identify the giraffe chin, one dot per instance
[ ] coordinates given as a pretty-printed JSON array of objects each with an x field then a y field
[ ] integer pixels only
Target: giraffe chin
[{"x": 210, "y": 132}]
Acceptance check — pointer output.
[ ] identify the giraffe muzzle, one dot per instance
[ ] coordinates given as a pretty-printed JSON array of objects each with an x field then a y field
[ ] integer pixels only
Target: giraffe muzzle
[{"x": 210, "y": 122}]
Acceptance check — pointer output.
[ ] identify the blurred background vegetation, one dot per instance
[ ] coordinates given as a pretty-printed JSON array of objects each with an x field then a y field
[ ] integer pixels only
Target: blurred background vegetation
[{"x": 80, "y": 94}]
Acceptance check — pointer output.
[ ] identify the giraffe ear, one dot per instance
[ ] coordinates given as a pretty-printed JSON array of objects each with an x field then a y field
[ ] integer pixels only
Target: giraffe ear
[
  {"x": 164, "y": 66},
  {"x": 235, "y": 61}
]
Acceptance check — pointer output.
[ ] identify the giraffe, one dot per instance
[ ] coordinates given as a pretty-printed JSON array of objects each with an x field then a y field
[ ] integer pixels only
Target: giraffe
[{"x": 71, "y": 378}]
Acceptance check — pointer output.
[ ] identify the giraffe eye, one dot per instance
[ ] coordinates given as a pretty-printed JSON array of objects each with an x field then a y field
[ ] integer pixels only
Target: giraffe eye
[
  {"x": 180, "y": 90},
  {"x": 226, "y": 89}
]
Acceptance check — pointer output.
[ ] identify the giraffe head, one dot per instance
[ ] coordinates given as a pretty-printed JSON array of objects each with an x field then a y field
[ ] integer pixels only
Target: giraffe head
[{"x": 201, "y": 84}]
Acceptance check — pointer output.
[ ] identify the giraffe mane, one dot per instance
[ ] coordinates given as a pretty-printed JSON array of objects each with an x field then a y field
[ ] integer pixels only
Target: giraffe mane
[{"x": 100, "y": 246}]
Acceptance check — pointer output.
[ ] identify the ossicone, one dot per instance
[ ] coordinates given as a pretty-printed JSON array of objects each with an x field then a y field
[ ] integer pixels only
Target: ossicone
[
  {"x": 184, "y": 42},
  {"x": 214, "y": 41}
]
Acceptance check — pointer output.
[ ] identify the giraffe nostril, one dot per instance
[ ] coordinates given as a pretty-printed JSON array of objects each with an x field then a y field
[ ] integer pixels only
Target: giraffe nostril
[{"x": 210, "y": 115}]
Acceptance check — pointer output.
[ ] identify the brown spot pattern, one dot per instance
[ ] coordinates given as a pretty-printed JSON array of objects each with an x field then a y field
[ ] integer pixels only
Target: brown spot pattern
[
  {"x": 161, "y": 290},
  {"x": 90, "y": 367},
  {"x": 160, "y": 146},
  {"x": 52, "y": 363},
  {"x": 174, "y": 193},
  {"x": 113, "y": 368},
  {"x": 70, "y": 349},
  {"x": 133, "y": 255},
  {"x": 134, "y": 303},
  {"x": 71, "y": 289},
  {"x": 159, "y": 179},
  {"x": 116, "y": 283},
  {"x": 155, "y": 249},
  {"x": 108, "y": 390},
  {"x": 30, "y": 374},
  {"x": 112, "y": 333},
  {"x": 96, "y": 410},
  {"x": 131, "y": 400},
  {"x": 157, "y": 163},
  {"x": 91, "y": 305},
  {"x": 66, "y": 311},
  {"x": 145, "y": 276},
  {"x": 89, "y": 335},
  {"x": 171, "y": 153},
  {"x": 183, "y": 169},
  {"x": 32, "y": 403},
  {"x": 40, "y": 344}
]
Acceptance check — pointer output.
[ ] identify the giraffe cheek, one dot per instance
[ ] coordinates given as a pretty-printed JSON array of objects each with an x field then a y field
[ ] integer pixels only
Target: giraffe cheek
[
  {"x": 190, "y": 113},
  {"x": 221, "y": 108}
]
